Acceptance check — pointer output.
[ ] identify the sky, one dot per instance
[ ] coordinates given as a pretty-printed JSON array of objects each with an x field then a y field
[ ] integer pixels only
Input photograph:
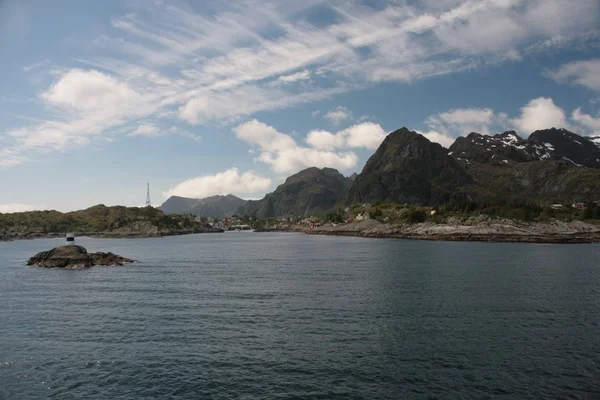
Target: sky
[{"x": 203, "y": 98}]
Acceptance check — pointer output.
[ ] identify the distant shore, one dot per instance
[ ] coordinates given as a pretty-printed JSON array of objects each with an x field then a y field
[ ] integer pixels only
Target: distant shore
[
  {"x": 106, "y": 235},
  {"x": 474, "y": 230},
  {"x": 469, "y": 237}
]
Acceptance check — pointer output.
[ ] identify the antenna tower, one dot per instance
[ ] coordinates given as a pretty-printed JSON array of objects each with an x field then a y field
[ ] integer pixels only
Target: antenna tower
[{"x": 148, "y": 203}]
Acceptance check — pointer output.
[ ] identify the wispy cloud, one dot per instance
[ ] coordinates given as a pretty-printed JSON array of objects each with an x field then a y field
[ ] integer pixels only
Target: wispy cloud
[
  {"x": 178, "y": 64},
  {"x": 146, "y": 129},
  {"x": 36, "y": 65},
  {"x": 585, "y": 73},
  {"x": 298, "y": 76},
  {"x": 9, "y": 100},
  {"x": 338, "y": 115}
]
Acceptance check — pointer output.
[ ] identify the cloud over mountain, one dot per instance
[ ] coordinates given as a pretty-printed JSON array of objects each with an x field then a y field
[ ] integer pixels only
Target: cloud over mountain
[
  {"x": 230, "y": 181},
  {"x": 283, "y": 154}
]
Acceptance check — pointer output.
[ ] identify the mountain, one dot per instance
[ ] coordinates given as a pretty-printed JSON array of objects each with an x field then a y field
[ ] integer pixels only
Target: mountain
[
  {"x": 546, "y": 167},
  {"x": 408, "y": 168},
  {"x": 214, "y": 206},
  {"x": 498, "y": 148},
  {"x": 310, "y": 191},
  {"x": 539, "y": 182},
  {"x": 547, "y": 144},
  {"x": 569, "y": 146},
  {"x": 125, "y": 221}
]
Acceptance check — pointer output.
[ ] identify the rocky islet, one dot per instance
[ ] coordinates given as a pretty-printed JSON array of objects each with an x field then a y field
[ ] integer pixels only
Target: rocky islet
[{"x": 75, "y": 257}]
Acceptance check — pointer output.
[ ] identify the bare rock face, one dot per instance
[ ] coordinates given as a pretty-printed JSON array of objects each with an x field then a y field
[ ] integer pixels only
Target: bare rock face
[
  {"x": 310, "y": 191},
  {"x": 75, "y": 257},
  {"x": 408, "y": 169}
]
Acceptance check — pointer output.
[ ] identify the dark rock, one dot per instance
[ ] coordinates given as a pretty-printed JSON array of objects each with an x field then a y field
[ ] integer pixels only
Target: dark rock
[
  {"x": 310, "y": 191},
  {"x": 498, "y": 149},
  {"x": 408, "y": 168},
  {"x": 214, "y": 206},
  {"x": 568, "y": 146},
  {"x": 548, "y": 144},
  {"x": 75, "y": 257}
]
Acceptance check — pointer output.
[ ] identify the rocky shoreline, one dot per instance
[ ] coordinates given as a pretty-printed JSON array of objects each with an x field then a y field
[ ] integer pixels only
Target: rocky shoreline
[
  {"x": 474, "y": 229},
  {"x": 9, "y": 237},
  {"x": 479, "y": 229},
  {"x": 75, "y": 257}
]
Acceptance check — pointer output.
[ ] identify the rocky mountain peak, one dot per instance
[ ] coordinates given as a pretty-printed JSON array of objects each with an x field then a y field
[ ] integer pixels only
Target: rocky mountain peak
[
  {"x": 219, "y": 206},
  {"x": 497, "y": 149},
  {"x": 548, "y": 144},
  {"x": 408, "y": 168},
  {"x": 310, "y": 191},
  {"x": 568, "y": 146}
]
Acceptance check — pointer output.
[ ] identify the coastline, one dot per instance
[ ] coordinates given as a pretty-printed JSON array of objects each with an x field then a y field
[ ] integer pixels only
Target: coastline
[
  {"x": 478, "y": 229},
  {"x": 472, "y": 230},
  {"x": 490, "y": 238},
  {"x": 108, "y": 235}
]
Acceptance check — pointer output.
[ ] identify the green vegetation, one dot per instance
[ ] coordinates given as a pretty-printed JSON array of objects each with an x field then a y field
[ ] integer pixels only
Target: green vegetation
[
  {"x": 94, "y": 219},
  {"x": 410, "y": 214}
]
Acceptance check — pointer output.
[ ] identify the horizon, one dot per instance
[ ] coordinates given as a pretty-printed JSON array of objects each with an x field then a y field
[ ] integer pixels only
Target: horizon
[{"x": 217, "y": 99}]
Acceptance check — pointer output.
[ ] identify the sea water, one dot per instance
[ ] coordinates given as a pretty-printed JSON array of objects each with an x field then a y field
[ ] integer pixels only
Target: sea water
[{"x": 262, "y": 315}]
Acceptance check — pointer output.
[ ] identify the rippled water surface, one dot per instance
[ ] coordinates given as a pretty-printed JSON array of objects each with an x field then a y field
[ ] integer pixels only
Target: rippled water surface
[{"x": 249, "y": 315}]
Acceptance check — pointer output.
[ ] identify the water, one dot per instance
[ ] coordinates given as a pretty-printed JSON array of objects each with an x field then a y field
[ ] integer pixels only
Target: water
[{"x": 292, "y": 316}]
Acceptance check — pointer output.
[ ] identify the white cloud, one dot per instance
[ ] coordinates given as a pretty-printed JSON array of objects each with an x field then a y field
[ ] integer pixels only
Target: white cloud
[
  {"x": 284, "y": 155},
  {"x": 445, "y": 127},
  {"x": 91, "y": 103},
  {"x": 321, "y": 139},
  {"x": 440, "y": 138},
  {"x": 484, "y": 31},
  {"x": 219, "y": 67},
  {"x": 584, "y": 73},
  {"x": 19, "y": 207},
  {"x": 265, "y": 136},
  {"x": 339, "y": 114},
  {"x": 367, "y": 134},
  {"x": 148, "y": 130},
  {"x": 298, "y": 76},
  {"x": 222, "y": 183},
  {"x": 540, "y": 113},
  {"x": 591, "y": 124},
  {"x": 90, "y": 90},
  {"x": 293, "y": 160},
  {"x": 464, "y": 116},
  {"x": 382, "y": 74}
]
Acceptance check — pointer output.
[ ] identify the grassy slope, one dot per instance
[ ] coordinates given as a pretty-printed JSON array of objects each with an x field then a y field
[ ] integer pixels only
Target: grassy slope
[{"x": 94, "y": 219}]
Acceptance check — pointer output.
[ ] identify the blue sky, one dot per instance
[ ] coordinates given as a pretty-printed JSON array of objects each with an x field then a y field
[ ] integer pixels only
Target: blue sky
[{"x": 212, "y": 97}]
